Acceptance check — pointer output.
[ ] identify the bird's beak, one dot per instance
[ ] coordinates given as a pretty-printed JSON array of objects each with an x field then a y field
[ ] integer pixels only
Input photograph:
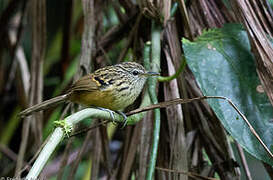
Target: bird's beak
[{"x": 151, "y": 74}]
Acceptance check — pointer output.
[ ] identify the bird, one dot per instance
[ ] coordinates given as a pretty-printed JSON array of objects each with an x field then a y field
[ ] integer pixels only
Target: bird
[{"x": 111, "y": 88}]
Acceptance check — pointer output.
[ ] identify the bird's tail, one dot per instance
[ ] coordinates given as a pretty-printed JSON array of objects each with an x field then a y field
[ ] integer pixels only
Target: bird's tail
[{"x": 44, "y": 105}]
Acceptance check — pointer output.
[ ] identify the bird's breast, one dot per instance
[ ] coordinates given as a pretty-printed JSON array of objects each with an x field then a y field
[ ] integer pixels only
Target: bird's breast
[{"x": 112, "y": 97}]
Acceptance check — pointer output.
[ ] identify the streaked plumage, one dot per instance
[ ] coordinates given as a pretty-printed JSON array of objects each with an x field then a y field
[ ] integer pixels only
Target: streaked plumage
[{"x": 112, "y": 87}]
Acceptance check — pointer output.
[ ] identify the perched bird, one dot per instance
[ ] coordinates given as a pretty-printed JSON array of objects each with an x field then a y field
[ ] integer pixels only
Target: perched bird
[{"x": 112, "y": 87}]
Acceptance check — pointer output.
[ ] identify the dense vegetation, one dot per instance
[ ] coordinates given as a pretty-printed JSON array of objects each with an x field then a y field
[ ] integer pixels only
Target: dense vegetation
[{"x": 201, "y": 48}]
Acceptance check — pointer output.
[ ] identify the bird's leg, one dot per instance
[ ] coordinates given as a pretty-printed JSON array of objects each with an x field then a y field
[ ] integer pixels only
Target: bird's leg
[
  {"x": 109, "y": 111},
  {"x": 112, "y": 115}
]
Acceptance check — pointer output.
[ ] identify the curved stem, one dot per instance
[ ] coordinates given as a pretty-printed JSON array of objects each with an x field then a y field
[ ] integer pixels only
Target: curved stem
[
  {"x": 169, "y": 78},
  {"x": 59, "y": 133},
  {"x": 48, "y": 149}
]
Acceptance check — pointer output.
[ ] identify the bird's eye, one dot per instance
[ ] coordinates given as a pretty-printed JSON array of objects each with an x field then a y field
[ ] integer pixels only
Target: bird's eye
[{"x": 135, "y": 72}]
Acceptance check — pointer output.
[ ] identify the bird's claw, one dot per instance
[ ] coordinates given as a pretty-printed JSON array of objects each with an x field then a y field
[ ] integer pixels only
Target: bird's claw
[
  {"x": 124, "y": 120},
  {"x": 112, "y": 115}
]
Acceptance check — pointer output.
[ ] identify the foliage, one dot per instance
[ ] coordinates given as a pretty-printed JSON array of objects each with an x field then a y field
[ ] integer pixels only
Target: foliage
[{"x": 223, "y": 65}]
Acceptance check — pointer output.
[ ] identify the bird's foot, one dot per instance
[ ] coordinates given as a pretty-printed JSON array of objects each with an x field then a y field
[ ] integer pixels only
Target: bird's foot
[
  {"x": 124, "y": 120},
  {"x": 112, "y": 115},
  {"x": 109, "y": 111}
]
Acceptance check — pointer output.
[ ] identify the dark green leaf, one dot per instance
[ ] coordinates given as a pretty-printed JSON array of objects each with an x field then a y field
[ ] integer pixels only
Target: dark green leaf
[{"x": 223, "y": 65}]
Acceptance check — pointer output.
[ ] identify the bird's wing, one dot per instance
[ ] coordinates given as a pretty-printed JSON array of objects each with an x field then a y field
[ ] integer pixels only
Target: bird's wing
[{"x": 86, "y": 83}]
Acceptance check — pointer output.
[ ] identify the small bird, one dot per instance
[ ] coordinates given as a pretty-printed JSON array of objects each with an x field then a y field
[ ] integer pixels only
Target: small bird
[{"x": 112, "y": 87}]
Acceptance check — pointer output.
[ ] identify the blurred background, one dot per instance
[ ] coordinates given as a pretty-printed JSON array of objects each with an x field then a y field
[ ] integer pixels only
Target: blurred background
[{"x": 47, "y": 44}]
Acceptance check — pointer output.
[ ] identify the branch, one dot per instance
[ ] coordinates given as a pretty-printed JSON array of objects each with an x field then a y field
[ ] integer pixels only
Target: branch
[
  {"x": 170, "y": 103},
  {"x": 59, "y": 133},
  {"x": 184, "y": 101}
]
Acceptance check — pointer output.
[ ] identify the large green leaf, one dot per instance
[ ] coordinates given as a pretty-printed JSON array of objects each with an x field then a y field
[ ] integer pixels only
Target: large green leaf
[{"x": 223, "y": 65}]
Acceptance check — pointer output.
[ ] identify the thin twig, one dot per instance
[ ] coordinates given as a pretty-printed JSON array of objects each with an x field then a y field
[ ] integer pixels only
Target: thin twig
[
  {"x": 167, "y": 103},
  {"x": 77, "y": 161},
  {"x": 243, "y": 160},
  {"x": 90, "y": 128},
  {"x": 8, "y": 152},
  {"x": 12, "y": 155},
  {"x": 183, "y": 101}
]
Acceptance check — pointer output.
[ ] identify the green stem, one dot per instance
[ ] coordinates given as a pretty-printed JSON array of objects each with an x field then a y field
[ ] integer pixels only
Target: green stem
[
  {"x": 48, "y": 149},
  {"x": 69, "y": 122},
  {"x": 155, "y": 65},
  {"x": 169, "y": 78},
  {"x": 60, "y": 132}
]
